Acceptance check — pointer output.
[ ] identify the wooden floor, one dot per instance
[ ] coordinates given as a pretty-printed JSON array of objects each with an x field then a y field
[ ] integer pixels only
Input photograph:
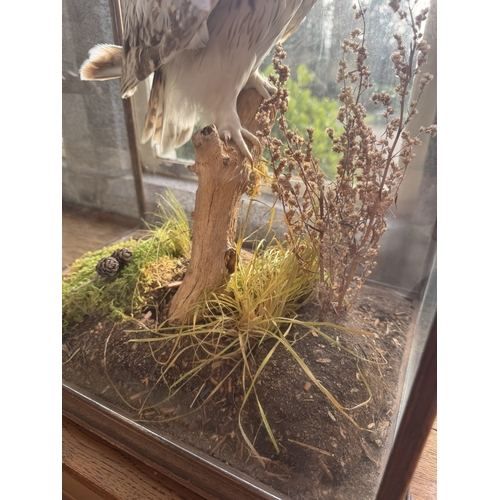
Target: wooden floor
[{"x": 85, "y": 230}]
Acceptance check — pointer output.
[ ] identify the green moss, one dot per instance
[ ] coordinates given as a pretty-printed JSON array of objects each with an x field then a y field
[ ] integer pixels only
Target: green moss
[{"x": 84, "y": 293}]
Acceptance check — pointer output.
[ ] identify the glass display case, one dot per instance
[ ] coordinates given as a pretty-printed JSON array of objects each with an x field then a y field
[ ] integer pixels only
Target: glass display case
[{"x": 331, "y": 404}]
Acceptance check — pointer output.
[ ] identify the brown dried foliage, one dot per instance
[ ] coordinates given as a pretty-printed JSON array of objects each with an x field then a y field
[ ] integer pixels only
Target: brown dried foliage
[{"x": 344, "y": 219}]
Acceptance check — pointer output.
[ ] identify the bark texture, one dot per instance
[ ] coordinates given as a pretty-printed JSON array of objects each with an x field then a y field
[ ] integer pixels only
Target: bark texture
[{"x": 223, "y": 177}]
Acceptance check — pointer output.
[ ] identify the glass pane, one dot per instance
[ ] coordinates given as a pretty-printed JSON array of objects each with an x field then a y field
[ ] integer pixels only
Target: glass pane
[{"x": 310, "y": 410}]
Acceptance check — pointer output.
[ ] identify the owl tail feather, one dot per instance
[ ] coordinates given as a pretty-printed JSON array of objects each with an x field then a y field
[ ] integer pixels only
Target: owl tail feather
[
  {"x": 168, "y": 125},
  {"x": 104, "y": 63},
  {"x": 154, "y": 116}
]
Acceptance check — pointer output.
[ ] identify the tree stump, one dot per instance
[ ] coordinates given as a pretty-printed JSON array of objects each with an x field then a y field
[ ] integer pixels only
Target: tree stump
[{"x": 223, "y": 176}]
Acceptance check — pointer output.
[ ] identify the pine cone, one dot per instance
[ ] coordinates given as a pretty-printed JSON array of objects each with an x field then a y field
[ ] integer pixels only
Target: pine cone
[
  {"x": 123, "y": 256},
  {"x": 107, "y": 267}
]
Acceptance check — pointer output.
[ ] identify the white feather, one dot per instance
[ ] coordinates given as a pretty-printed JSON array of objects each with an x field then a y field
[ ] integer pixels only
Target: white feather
[{"x": 203, "y": 53}]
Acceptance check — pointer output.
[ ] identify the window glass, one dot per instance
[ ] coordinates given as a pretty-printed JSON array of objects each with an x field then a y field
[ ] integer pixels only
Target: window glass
[
  {"x": 313, "y": 55},
  {"x": 311, "y": 443}
]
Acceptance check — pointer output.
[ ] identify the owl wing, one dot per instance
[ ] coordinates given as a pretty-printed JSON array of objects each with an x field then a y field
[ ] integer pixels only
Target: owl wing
[{"x": 156, "y": 31}]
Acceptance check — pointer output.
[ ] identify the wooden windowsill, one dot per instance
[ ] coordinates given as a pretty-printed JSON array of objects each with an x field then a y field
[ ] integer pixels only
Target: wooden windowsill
[
  {"x": 93, "y": 470},
  {"x": 98, "y": 471}
]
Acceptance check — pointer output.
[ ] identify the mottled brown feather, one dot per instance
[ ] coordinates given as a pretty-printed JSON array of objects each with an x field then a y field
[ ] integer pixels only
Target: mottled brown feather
[{"x": 202, "y": 53}]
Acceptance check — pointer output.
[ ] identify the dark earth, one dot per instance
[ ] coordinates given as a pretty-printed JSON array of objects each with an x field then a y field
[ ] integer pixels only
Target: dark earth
[{"x": 322, "y": 454}]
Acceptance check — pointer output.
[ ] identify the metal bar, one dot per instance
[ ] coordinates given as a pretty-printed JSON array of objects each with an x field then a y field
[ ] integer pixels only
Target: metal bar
[{"x": 128, "y": 107}]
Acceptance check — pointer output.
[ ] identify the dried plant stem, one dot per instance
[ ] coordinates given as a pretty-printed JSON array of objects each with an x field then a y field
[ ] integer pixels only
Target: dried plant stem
[{"x": 343, "y": 219}]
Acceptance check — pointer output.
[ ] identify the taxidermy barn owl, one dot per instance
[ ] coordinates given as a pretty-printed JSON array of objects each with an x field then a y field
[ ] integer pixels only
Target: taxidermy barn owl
[{"x": 202, "y": 54}]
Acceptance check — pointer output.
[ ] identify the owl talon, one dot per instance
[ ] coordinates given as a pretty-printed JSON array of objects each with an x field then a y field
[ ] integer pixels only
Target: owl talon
[
  {"x": 239, "y": 136},
  {"x": 242, "y": 146},
  {"x": 253, "y": 140},
  {"x": 261, "y": 85},
  {"x": 225, "y": 137}
]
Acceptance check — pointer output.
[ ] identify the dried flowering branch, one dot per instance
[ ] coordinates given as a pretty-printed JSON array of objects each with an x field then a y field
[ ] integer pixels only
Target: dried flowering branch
[{"x": 344, "y": 219}]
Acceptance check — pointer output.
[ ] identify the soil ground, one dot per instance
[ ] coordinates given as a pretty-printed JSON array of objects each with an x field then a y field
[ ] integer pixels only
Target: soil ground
[{"x": 322, "y": 454}]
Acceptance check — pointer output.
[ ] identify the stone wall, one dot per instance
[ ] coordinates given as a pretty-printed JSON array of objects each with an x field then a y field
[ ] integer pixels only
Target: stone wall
[{"x": 97, "y": 171}]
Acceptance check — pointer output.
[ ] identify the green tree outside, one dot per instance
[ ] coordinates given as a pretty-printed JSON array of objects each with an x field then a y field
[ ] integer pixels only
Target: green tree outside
[{"x": 306, "y": 110}]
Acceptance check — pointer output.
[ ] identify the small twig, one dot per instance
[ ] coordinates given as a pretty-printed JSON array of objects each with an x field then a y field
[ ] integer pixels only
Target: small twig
[
  {"x": 319, "y": 450},
  {"x": 325, "y": 468},
  {"x": 197, "y": 394},
  {"x": 138, "y": 394},
  {"x": 277, "y": 476},
  {"x": 367, "y": 451},
  {"x": 71, "y": 357},
  {"x": 174, "y": 284},
  {"x": 218, "y": 445}
]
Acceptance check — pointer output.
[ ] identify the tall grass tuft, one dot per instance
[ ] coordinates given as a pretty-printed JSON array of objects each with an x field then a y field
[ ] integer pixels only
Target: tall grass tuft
[{"x": 259, "y": 309}]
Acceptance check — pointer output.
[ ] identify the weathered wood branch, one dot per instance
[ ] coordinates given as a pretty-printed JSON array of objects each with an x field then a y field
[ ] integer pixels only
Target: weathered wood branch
[{"x": 223, "y": 176}]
